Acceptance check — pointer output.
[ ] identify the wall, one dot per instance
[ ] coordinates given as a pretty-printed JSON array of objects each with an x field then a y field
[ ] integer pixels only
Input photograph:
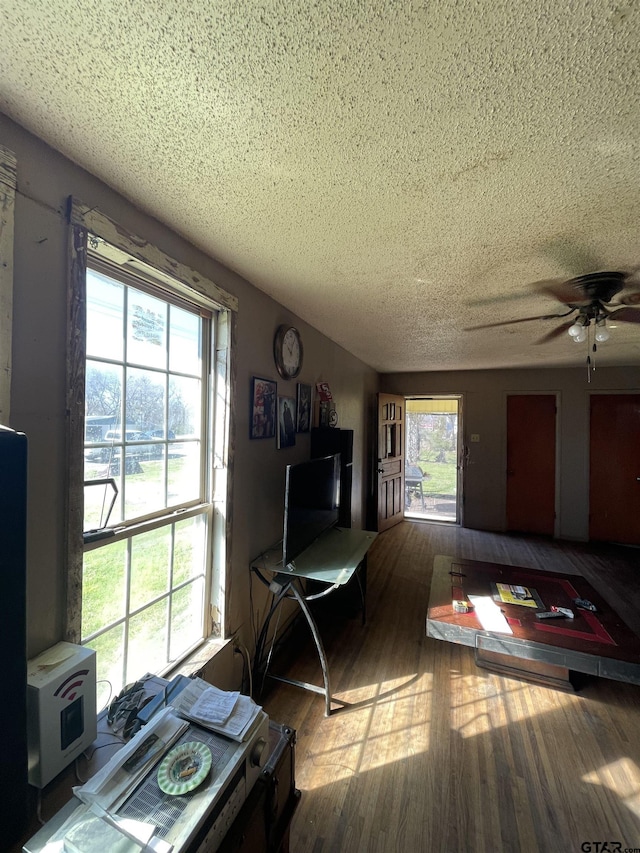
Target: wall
[
  {"x": 484, "y": 412},
  {"x": 45, "y": 180}
]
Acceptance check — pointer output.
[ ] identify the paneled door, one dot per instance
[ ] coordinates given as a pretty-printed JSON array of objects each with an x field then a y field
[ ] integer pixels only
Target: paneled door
[
  {"x": 614, "y": 468},
  {"x": 390, "y": 467},
  {"x": 531, "y": 463}
]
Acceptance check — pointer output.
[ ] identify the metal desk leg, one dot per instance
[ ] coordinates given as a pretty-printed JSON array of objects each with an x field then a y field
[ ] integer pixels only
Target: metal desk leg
[
  {"x": 289, "y": 590},
  {"x": 361, "y": 567},
  {"x": 321, "y": 654},
  {"x": 260, "y": 665}
]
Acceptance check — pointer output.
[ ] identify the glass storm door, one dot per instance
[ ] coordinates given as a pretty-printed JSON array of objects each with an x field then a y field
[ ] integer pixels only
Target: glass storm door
[{"x": 432, "y": 459}]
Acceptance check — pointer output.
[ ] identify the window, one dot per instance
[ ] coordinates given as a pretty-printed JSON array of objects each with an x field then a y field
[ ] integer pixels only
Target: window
[{"x": 153, "y": 448}]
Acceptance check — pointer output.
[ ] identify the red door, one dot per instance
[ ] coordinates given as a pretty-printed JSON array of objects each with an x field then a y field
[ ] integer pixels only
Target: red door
[
  {"x": 614, "y": 468},
  {"x": 531, "y": 463}
]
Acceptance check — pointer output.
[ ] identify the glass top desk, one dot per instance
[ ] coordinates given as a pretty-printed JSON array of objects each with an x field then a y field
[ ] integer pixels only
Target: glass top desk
[{"x": 333, "y": 559}]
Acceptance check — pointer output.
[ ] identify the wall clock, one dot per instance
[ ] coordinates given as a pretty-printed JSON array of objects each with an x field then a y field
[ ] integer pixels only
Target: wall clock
[{"x": 287, "y": 351}]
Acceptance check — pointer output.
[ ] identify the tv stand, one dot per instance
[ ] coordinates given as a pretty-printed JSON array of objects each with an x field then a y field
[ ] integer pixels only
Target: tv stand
[{"x": 333, "y": 559}]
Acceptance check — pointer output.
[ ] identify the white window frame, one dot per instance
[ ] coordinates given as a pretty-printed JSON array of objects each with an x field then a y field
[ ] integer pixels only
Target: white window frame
[{"x": 92, "y": 231}]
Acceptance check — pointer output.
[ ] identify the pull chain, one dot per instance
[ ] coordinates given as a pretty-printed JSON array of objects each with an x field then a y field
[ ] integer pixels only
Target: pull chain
[{"x": 591, "y": 363}]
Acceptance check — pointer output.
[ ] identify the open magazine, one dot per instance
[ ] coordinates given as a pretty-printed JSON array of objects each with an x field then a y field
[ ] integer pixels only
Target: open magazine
[{"x": 510, "y": 593}]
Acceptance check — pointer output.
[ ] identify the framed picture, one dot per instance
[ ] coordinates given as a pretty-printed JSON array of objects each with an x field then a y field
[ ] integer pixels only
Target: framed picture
[
  {"x": 263, "y": 408},
  {"x": 286, "y": 421},
  {"x": 322, "y": 414},
  {"x": 303, "y": 408}
]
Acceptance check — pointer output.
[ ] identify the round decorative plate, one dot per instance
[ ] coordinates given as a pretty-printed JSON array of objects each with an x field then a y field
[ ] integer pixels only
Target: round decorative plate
[{"x": 184, "y": 768}]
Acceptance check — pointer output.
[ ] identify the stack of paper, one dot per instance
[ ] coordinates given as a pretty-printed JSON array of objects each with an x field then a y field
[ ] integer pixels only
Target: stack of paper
[{"x": 227, "y": 713}]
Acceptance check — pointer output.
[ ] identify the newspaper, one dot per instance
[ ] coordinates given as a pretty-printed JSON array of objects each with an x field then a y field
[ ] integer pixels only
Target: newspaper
[{"x": 229, "y": 714}]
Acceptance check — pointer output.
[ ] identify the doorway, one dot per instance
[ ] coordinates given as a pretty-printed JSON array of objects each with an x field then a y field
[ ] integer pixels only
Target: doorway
[{"x": 432, "y": 485}]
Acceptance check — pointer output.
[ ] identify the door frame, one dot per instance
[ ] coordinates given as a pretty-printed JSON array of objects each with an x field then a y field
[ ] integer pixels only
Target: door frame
[
  {"x": 558, "y": 455},
  {"x": 461, "y": 454}
]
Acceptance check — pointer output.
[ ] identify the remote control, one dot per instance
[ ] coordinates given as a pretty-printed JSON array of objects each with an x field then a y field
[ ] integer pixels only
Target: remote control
[
  {"x": 548, "y": 614},
  {"x": 565, "y": 611},
  {"x": 584, "y": 604}
]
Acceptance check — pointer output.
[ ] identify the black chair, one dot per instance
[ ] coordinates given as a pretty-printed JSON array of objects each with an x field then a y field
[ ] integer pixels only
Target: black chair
[{"x": 413, "y": 478}]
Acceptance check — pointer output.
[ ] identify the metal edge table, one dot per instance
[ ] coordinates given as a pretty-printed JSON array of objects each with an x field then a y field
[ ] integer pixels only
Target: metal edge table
[{"x": 333, "y": 559}]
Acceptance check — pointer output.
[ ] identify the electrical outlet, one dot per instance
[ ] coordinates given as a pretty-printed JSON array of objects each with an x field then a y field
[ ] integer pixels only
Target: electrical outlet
[{"x": 475, "y": 436}]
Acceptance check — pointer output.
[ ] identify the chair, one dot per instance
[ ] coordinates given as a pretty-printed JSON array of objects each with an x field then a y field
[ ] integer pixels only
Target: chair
[{"x": 413, "y": 478}]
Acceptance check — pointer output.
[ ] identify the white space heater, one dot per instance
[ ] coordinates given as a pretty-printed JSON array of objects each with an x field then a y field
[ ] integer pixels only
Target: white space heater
[{"x": 61, "y": 709}]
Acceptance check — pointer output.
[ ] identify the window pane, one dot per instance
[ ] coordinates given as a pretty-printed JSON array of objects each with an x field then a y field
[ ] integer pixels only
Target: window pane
[
  {"x": 139, "y": 484},
  {"x": 185, "y": 342},
  {"x": 150, "y": 564},
  {"x": 148, "y": 641},
  {"x": 109, "y": 648},
  {"x": 184, "y": 472},
  {"x": 144, "y": 482},
  {"x": 105, "y": 312},
  {"x": 103, "y": 587},
  {"x": 188, "y": 558},
  {"x": 186, "y": 618},
  {"x": 145, "y": 402},
  {"x": 185, "y": 406},
  {"x": 103, "y": 396},
  {"x": 146, "y": 330},
  {"x": 103, "y": 400}
]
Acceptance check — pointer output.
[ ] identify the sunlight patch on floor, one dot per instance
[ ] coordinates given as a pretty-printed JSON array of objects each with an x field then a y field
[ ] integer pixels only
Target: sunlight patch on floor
[
  {"x": 389, "y": 689},
  {"x": 382, "y": 731},
  {"x": 483, "y": 704},
  {"x": 622, "y": 777}
]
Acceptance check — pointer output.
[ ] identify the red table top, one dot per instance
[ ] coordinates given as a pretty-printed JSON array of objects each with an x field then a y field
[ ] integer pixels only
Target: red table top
[{"x": 601, "y": 633}]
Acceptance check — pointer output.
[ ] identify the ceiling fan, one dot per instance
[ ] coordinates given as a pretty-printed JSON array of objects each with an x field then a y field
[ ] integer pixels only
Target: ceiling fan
[{"x": 589, "y": 299}]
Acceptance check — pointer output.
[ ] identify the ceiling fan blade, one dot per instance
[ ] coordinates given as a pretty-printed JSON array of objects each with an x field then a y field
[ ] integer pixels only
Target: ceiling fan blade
[
  {"x": 512, "y": 322},
  {"x": 493, "y": 300},
  {"x": 631, "y": 298},
  {"x": 626, "y": 315},
  {"x": 555, "y": 333},
  {"x": 562, "y": 290}
]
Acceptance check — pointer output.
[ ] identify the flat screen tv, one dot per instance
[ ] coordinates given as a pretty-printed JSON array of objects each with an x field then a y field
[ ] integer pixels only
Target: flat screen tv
[{"x": 311, "y": 503}]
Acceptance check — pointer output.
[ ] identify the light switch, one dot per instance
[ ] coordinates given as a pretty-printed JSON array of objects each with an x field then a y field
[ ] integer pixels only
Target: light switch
[{"x": 475, "y": 436}]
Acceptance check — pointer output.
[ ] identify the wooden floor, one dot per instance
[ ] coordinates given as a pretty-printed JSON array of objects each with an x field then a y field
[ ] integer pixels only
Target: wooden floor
[{"x": 432, "y": 753}]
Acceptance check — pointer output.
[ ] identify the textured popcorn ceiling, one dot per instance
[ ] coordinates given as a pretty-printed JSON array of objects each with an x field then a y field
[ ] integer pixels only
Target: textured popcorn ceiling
[{"x": 381, "y": 169}]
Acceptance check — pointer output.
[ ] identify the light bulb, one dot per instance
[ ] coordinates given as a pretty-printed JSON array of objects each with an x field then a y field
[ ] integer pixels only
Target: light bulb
[
  {"x": 602, "y": 333},
  {"x": 581, "y": 336},
  {"x": 576, "y": 329}
]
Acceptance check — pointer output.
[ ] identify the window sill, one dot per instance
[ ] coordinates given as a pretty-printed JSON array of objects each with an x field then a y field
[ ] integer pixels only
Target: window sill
[{"x": 212, "y": 660}]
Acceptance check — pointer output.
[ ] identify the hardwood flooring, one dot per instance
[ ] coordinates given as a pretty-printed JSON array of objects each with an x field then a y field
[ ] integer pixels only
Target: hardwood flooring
[{"x": 430, "y": 752}]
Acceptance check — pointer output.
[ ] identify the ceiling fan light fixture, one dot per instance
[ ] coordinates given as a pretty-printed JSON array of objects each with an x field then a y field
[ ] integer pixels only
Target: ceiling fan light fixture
[
  {"x": 578, "y": 331},
  {"x": 602, "y": 333}
]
